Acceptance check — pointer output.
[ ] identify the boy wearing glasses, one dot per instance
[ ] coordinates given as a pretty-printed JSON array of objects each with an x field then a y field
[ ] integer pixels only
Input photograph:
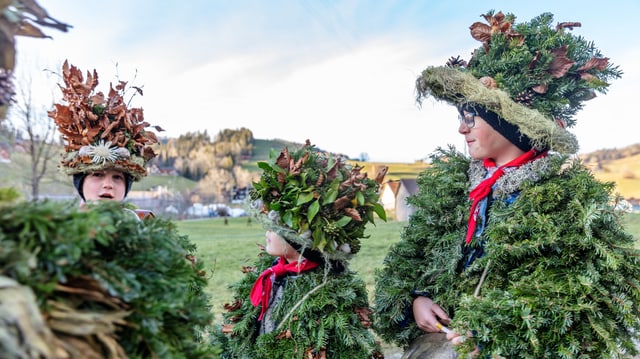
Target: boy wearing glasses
[{"x": 517, "y": 251}]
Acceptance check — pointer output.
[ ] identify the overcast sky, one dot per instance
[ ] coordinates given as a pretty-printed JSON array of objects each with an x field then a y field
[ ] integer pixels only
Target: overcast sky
[{"x": 340, "y": 73}]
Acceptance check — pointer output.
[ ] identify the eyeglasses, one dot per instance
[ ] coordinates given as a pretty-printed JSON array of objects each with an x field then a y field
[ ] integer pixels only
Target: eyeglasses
[{"x": 469, "y": 119}]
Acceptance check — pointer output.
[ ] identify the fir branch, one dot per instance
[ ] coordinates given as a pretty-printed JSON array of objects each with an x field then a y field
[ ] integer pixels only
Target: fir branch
[{"x": 293, "y": 309}]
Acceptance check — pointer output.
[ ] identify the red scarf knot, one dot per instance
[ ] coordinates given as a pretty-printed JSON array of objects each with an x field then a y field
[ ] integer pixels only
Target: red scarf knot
[
  {"x": 483, "y": 189},
  {"x": 262, "y": 287}
]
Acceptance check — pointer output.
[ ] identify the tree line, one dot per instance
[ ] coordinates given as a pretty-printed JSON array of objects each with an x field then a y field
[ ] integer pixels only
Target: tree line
[{"x": 216, "y": 164}]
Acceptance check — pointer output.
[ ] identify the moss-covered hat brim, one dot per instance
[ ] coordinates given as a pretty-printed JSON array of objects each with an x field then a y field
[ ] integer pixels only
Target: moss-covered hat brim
[
  {"x": 458, "y": 87},
  {"x": 74, "y": 164}
]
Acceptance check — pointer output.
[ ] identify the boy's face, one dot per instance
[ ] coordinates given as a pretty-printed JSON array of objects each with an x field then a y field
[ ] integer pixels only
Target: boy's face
[
  {"x": 484, "y": 141},
  {"x": 277, "y": 246},
  {"x": 104, "y": 185}
]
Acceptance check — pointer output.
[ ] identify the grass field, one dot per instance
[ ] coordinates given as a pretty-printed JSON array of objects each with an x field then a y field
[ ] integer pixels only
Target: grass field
[{"x": 225, "y": 248}]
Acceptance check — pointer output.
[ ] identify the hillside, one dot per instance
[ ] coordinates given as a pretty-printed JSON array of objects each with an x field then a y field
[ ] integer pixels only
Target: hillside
[
  {"x": 624, "y": 171},
  {"x": 621, "y": 166}
]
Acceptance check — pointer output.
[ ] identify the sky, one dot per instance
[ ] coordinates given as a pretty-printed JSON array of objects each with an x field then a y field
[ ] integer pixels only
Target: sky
[{"x": 339, "y": 73}]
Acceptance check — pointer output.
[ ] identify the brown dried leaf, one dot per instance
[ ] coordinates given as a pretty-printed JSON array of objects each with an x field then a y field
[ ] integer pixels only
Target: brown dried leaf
[
  {"x": 333, "y": 171},
  {"x": 599, "y": 64},
  {"x": 498, "y": 23},
  {"x": 248, "y": 269},
  {"x": 364, "y": 316},
  {"x": 353, "y": 213},
  {"x": 481, "y": 32},
  {"x": 284, "y": 335},
  {"x": 341, "y": 202},
  {"x": 296, "y": 168},
  {"x": 283, "y": 159},
  {"x": 534, "y": 61},
  {"x": 560, "y": 64},
  {"x": 320, "y": 180},
  {"x": 568, "y": 25},
  {"x": 237, "y": 304}
]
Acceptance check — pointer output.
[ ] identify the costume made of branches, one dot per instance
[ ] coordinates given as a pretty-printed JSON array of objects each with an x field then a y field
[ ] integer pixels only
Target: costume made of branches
[
  {"x": 320, "y": 206},
  {"x": 563, "y": 273},
  {"x": 319, "y": 315}
]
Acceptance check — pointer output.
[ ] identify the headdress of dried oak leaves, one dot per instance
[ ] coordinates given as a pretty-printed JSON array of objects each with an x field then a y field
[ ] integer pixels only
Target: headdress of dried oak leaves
[{"x": 101, "y": 132}]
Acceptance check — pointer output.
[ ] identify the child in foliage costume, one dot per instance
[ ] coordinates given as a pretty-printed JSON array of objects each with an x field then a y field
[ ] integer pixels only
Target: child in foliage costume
[
  {"x": 518, "y": 250},
  {"x": 95, "y": 281},
  {"x": 306, "y": 303},
  {"x": 107, "y": 145}
]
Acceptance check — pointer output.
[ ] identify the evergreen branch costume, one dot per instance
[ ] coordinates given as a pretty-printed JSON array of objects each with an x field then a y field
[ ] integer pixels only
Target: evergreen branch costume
[
  {"x": 103, "y": 285},
  {"x": 96, "y": 281},
  {"x": 562, "y": 275},
  {"x": 320, "y": 206}
]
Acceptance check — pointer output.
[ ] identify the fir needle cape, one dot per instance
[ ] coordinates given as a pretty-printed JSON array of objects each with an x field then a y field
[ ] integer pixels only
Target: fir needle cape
[
  {"x": 321, "y": 315},
  {"x": 320, "y": 205},
  {"x": 106, "y": 285},
  {"x": 564, "y": 275}
]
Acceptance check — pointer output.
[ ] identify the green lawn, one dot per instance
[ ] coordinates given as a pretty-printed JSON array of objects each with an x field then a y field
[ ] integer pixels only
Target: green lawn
[{"x": 225, "y": 248}]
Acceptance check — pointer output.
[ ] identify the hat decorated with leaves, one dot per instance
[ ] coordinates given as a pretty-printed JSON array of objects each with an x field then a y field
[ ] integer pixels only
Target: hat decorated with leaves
[
  {"x": 101, "y": 132},
  {"x": 316, "y": 202},
  {"x": 533, "y": 75}
]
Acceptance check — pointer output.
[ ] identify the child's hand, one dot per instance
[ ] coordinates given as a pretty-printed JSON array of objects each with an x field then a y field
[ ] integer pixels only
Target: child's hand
[{"x": 457, "y": 339}]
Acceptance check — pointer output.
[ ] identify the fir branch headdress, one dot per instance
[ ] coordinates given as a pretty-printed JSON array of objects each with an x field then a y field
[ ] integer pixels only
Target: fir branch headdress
[
  {"x": 101, "y": 133},
  {"x": 534, "y": 75},
  {"x": 316, "y": 201}
]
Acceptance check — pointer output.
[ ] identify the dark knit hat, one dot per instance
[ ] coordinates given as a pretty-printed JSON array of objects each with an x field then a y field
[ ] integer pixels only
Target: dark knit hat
[
  {"x": 101, "y": 132},
  {"x": 533, "y": 75},
  {"x": 510, "y": 131},
  {"x": 316, "y": 202}
]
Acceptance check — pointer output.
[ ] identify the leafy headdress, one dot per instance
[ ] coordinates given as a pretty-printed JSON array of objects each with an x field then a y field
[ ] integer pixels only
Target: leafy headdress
[
  {"x": 316, "y": 202},
  {"x": 533, "y": 75},
  {"x": 101, "y": 132}
]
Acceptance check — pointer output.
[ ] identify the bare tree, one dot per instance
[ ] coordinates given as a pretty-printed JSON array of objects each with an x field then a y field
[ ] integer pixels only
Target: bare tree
[{"x": 30, "y": 117}]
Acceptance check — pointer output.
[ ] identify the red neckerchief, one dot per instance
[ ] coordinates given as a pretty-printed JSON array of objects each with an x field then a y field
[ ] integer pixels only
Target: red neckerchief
[
  {"x": 483, "y": 189},
  {"x": 262, "y": 287}
]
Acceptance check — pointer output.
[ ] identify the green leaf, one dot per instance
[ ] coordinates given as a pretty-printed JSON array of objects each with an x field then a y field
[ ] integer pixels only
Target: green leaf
[
  {"x": 377, "y": 207},
  {"x": 264, "y": 165},
  {"x": 360, "y": 198},
  {"x": 319, "y": 239},
  {"x": 343, "y": 221},
  {"x": 288, "y": 219},
  {"x": 313, "y": 210},
  {"x": 304, "y": 197},
  {"x": 331, "y": 195}
]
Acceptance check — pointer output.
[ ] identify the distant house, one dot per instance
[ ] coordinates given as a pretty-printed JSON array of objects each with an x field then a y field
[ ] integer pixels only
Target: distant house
[
  {"x": 393, "y": 197},
  {"x": 5, "y": 153},
  {"x": 163, "y": 171}
]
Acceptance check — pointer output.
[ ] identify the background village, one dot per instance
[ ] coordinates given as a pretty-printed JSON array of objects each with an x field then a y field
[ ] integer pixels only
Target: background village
[{"x": 196, "y": 176}]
